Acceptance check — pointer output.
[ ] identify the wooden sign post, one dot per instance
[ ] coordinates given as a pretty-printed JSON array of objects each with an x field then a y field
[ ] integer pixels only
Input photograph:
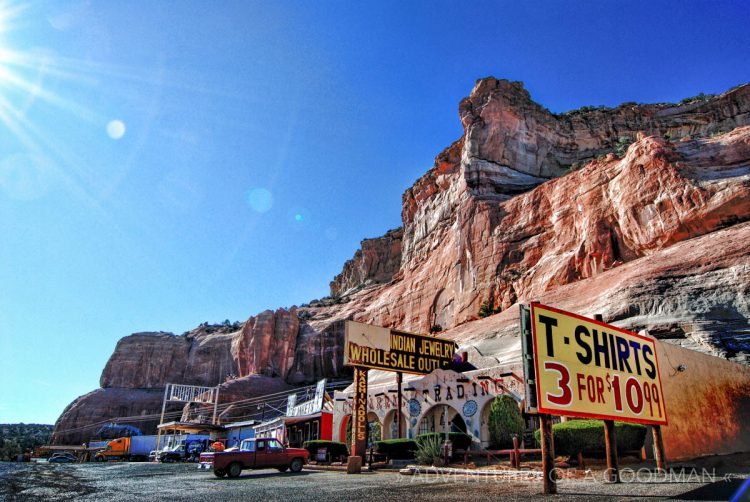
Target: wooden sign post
[
  {"x": 661, "y": 462},
  {"x": 610, "y": 441},
  {"x": 359, "y": 422},
  {"x": 548, "y": 455},
  {"x": 399, "y": 411}
]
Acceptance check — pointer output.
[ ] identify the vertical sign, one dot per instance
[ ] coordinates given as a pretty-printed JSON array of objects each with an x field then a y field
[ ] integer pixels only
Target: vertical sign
[{"x": 359, "y": 413}]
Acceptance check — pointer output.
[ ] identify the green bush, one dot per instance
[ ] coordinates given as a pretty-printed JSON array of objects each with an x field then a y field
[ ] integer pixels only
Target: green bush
[
  {"x": 587, "y": 436},
  {"x": 487, "y": 308},
  {"x": 505, "y": 421},
  {"x": 428, "y": 448},
  {"x": 396, "y": 448},
  {"x": 622, "y": 145},
  {"x": 460, "y": 440},
  {"x": 335, "y": 449}
]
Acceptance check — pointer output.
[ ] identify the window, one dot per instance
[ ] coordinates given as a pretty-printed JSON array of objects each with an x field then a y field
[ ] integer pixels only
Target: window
[
  {"x": 260, "y": 446},
  {"x": 273, "y": 445},
  {"x": 247, "y": 446},
  {"x": 427, "y": 424}
]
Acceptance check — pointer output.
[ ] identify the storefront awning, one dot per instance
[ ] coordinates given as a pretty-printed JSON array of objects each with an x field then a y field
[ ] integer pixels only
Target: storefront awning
[
  {"x": 302, "y": 419},
  {"x": 190, "y": 427}
]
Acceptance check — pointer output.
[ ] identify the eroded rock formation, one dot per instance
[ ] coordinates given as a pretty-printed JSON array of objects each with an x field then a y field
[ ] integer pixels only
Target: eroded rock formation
[
  {"x": 377, "y": 261},
  {"x": 638, "y": 212}
]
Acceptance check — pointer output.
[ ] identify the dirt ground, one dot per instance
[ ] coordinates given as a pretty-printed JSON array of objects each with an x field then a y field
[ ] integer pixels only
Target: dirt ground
[{"x": 712, "y": 478}]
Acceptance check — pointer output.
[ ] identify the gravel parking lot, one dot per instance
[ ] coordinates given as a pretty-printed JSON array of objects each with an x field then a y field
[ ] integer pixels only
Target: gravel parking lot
[{"x": 133, "y": 481}]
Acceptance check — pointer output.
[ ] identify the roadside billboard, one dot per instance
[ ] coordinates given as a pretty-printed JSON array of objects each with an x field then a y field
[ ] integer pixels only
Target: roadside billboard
[
  {"x": 586, "y": 368},
  {"x": 385, "y": 349}
]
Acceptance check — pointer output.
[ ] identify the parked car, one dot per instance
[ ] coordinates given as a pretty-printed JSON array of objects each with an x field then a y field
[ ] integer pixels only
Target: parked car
[
  {"x": 255, "y": 453},
  {"x": 188, "y": 451},
  {"x": 176, "y": 454},
  {"x": 63, "y": 458}
]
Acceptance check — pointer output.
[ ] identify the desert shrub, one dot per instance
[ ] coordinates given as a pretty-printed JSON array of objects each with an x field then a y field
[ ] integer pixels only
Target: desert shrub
[
  {"x": 304, "y": 315},
  {"x": 621, "y": 146},
  {"x": 335, "y": 449},
  {"x": 487, "y": 308},
  {"x": 460, "y": 440},
  {"x": 396, "y": 448},
  {"x": 428, "y": 449},
  {"x": 505, "y": 421},
  {"x": 587, "y": 436},
  {"x": 699, "y": 97}
]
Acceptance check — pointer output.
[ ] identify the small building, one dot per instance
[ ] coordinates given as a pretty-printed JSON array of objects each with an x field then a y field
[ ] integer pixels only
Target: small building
[
  {"x": 273, "y": 428},
  {"x": 308, "y": 428},
  {"x": 237, "y": 431},
  {"x": 442, "y": 401},
  {"x": 173, "y": 433},
  {"x": 309, "y": 420}
]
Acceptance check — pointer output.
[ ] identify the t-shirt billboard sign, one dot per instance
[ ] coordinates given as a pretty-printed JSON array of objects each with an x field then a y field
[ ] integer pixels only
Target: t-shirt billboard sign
[{"x": 586, "y": 368}]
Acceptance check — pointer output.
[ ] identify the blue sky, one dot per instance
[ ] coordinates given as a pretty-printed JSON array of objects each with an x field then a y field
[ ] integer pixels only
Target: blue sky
[{"x": 168, "y": 163}]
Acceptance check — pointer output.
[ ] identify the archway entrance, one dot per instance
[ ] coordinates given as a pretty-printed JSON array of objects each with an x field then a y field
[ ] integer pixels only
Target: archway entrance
[
  {"x": 345, "y": 429},
  {"x": 374, "y": 429},
  {"x": 390, "y": 426},
  {"x": 434, "y": 420}
]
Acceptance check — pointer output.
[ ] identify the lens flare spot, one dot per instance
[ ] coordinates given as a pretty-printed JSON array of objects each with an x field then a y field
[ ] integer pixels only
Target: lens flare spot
[
  {"x": 260, "y": 200},
  {"x": 116, "y": 129},
  {"x": 298, "y": 217}
]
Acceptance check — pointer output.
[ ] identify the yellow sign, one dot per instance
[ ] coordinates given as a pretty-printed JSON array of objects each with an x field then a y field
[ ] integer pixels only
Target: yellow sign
[
  {"x": 586, "y": 368},
  {"x": 385, "y": 349}
]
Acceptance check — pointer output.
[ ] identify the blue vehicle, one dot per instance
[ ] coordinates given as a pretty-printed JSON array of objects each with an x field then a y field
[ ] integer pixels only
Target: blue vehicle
[{"x": 188, "y": 449}]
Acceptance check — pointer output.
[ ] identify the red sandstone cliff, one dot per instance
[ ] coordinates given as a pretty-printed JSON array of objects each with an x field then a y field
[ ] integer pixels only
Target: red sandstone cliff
[{"x": 525, "y": 205}]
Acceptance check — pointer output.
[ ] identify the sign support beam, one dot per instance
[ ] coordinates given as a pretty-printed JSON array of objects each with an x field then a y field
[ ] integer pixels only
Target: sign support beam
[
  {"x": 661, "y": 461},
  {"x": 359, "y": 422},
  {"x": 548, "y": 455},
  {"x": 610, "y": 441},
  {"x": 399, "y": 411}
]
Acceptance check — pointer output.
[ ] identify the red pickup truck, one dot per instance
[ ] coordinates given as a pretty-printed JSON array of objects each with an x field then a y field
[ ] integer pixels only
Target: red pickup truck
[{"x": 256, "y": 453}]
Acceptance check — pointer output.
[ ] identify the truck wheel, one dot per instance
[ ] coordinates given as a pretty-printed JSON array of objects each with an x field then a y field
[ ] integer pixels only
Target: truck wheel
[
  {"x": 296, "y": 465},
  {"x": 234, "y": 470},
  {"x": 283, "y": 469},
  {"x": 220, "y": 473}
]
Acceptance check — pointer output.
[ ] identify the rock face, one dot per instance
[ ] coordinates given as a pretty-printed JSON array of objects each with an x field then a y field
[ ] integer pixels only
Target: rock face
[
  {"x": 267, "y": 344},
  {"x": 640, "y": 213},
  {"x": 320, "y": 353},
  {"x": 83, "y": 417},
  {"x": 149, "y": 360},
  {"x": 471, "y": 237},
  {"x": 377, "y": 261}
]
